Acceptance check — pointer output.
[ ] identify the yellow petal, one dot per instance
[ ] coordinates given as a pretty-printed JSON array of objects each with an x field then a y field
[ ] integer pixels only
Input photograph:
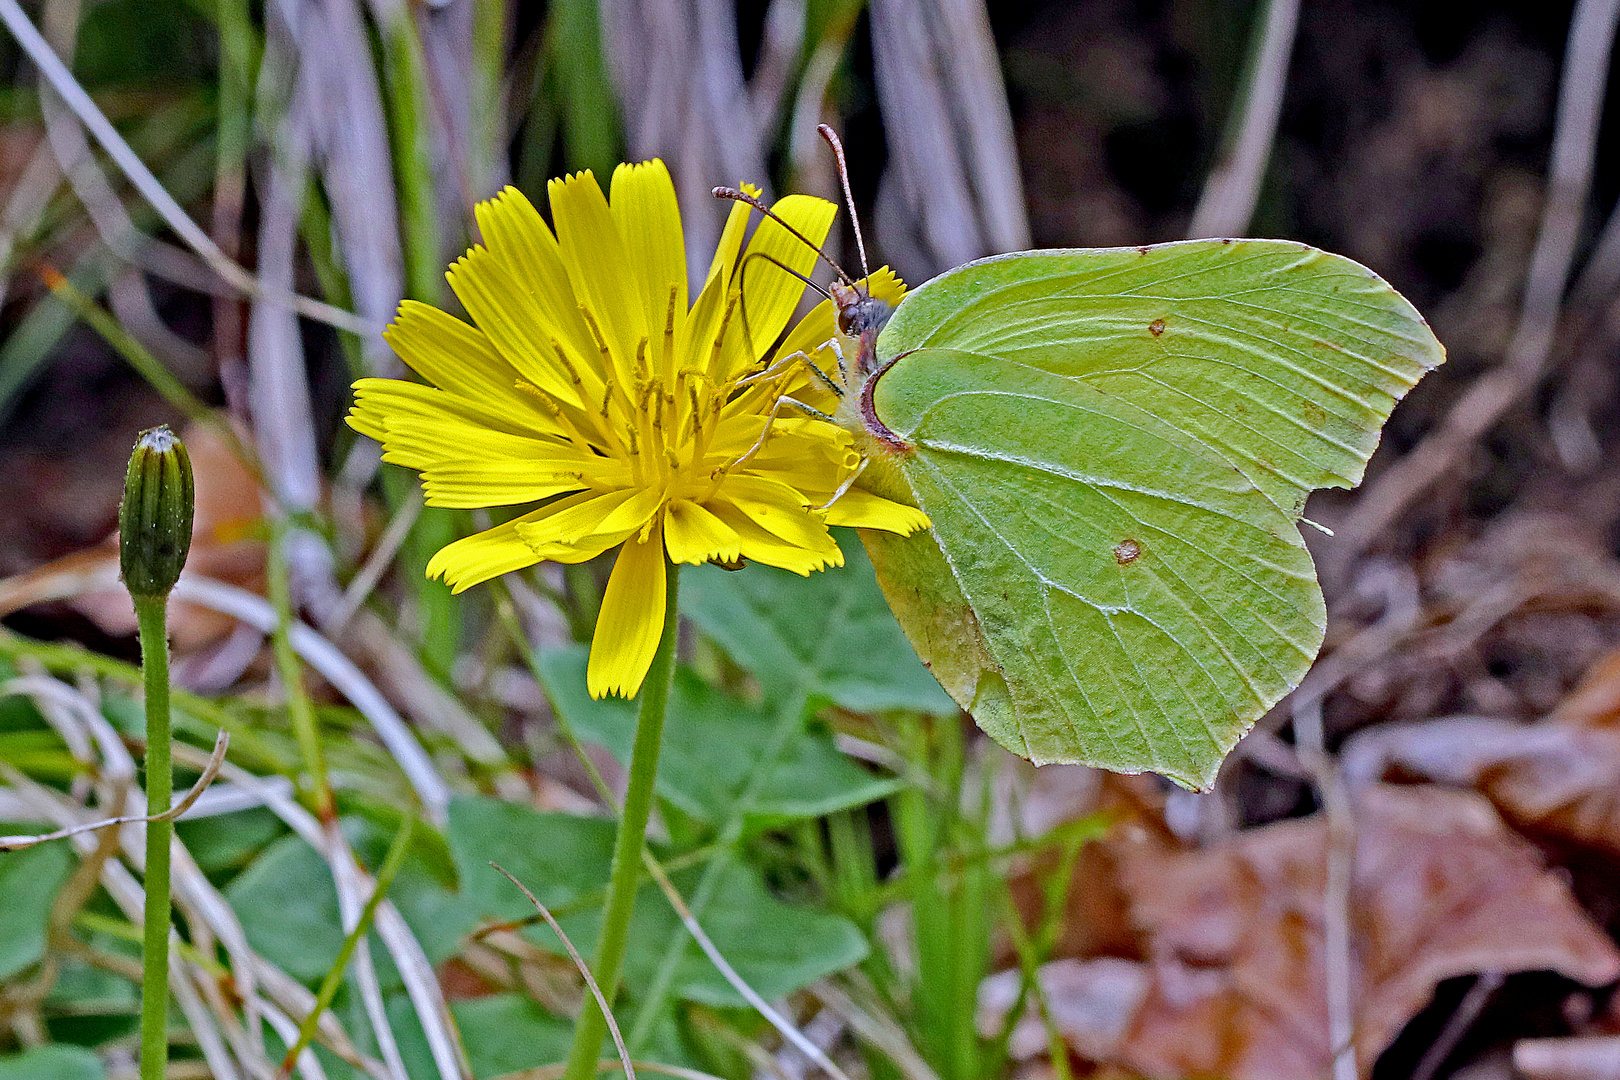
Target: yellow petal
[
  {"x": 775, "y": 507},
  {"x": 813, "y": 466},
  {"x": 701, "y": 332},
  {"x": 524, "y": 332},
  {"x": 693, "y": 535},
  {"x": 448, "y": 353},
  {"x": 644, "y": 208},
  {"x": 597, "y": 260},
  {"x": 761, "y": 546},
  {"x": 770, "y": 293},
  {"x": 631, "y": 620},
  {"x": 379, "y": 400},
  {"x": 593, "y": 521},
  {"x": 516, "y": 234},
  {"x": 479, "y": 482},
  {"x": 864, "y": 510},
  {"x": 477, "y": 558},
  {"x": 422, "y": 444}
]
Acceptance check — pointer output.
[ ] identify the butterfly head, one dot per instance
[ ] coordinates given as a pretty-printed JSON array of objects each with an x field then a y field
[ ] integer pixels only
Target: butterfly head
[{"x": 859, "y": 312}]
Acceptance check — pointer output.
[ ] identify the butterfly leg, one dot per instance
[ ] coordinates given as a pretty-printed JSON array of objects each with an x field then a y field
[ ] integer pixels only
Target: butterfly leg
[
  {"x": 843, "y": 368},
  {"x": 848, "y": 483},
  {"x": 784, "y": 362},
  {"x": 770, "y": 421}
]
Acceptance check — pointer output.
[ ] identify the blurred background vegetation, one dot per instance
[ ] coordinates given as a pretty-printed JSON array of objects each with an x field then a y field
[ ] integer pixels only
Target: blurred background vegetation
[{"x": 1408, "y": 870}]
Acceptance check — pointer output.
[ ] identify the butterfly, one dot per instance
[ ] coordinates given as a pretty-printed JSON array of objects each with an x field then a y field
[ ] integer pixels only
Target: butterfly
[{"x": 1114, "y": 447}]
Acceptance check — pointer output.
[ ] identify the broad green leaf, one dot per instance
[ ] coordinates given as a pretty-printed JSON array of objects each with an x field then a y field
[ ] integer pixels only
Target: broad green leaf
[
  {"x": 561, "y": 857},
  {"x": 811, "y": 776},
  {"x": 826, "y": 634},
  {"x": 226, "y": 842},
  {"x": 777, "y": 948},
  {"x": 503, "y": 1033},
  {"x": 52, "y": 1063},
  {"x": 1115, "y": 447},
  {"x": 289, "y": 909},
  {"x": 29, "y": 880},
  {"x": 507, "y": 1032}
]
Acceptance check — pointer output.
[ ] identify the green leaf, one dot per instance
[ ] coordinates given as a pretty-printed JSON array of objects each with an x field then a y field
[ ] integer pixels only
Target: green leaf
[
  {"x": 52, "y": 1063},
  {"x": 562, "y": 857},
  {"x": 828, "y": 634},
  {"x": 289, "y": 909},
  {"x": 811, "y": 777},
  {"x": 777, "y": 948},
  {"x": 1114, "y": 447},
  {"x": 507, "y": 1032},
  {"x": 225, "y": 842},
  {"x": 29, "y": 880}
]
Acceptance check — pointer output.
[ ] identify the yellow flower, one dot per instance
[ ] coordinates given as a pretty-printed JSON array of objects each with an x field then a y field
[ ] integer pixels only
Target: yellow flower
[{"x": 588, "y": 384}]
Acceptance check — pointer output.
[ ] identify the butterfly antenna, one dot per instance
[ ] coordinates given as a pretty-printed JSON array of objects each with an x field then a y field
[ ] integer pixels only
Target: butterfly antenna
[
  {"x": 742, "y": 296},
  {"x": 780, "y": 265},
  {"x": 744, "y": 197},
  {"x": 849, "y": 199}
]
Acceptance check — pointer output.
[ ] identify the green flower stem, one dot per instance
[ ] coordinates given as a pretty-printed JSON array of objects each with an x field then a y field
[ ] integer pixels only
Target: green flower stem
[
  {"x": 790, "y": 718},
  {"x": 151, "y": 614},
  {"x": 625, "y": 875}
]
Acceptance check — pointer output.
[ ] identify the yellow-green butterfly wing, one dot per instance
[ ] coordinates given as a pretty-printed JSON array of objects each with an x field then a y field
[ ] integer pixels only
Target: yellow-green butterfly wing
[{"x": 1114, "y": 447}]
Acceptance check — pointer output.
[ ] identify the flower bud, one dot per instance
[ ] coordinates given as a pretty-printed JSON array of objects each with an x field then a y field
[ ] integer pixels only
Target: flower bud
[{"x": 154, "y": 520}]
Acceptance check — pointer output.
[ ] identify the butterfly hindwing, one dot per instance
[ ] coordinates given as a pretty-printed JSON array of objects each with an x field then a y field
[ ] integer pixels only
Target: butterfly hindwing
[{"x": 1114, "y": 447}]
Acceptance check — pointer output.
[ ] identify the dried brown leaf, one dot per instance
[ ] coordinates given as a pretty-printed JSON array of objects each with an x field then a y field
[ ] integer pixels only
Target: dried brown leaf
[
  {"x": 1554, "y": 779},
  {"x": 1234, "y": 933},
  {"x": 224, "y": 546}
]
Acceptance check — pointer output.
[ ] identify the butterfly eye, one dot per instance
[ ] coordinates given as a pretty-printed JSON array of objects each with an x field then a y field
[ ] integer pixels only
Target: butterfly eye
[{"x": 867, "y": 313}]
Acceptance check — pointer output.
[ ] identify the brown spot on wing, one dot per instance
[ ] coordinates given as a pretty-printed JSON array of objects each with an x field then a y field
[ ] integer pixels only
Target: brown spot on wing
[
  {"x": 1156, "y": 327},
  {"x": 1127, "y": 551}
]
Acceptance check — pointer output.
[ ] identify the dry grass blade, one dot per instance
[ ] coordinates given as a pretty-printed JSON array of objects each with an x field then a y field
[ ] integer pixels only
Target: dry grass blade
[
  {"x": 205, "y": 910},
  {"x": 1337, "y": 962},
  {"x": 65, "y": 136},
  {"x": 555, "y": 1072},
  {"x": 792, "y": 1034},
  {"x": 337, "y": 669},
  {"x": 355, "y": 909},
  {"x": 883, "y": 1034},
  {"x": 63, "y": 82},
  {"x": 678, "y": 73},
  {"x": 421, "y": 982},
  {"x": 211, "y": 770},
  {"x": 950, "y": 132},
  {"x": 338, "y": 102},
  {"x": 378, "y": 563},
  {"x": 30, "y": 194},
  {"x": 1233, "y": 186},
  {"x": 1569, "y": 180},
  {"x": 278, "y": 382},
  {"x": 584, "y": 970}
]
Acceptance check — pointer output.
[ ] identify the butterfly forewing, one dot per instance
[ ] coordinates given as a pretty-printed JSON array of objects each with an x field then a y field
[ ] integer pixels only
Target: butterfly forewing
[{"x": 1114, "y": 447}]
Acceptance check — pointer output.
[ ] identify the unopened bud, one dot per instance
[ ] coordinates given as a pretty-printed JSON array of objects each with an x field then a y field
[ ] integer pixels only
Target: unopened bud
[{"x": 154, "y": 520}]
